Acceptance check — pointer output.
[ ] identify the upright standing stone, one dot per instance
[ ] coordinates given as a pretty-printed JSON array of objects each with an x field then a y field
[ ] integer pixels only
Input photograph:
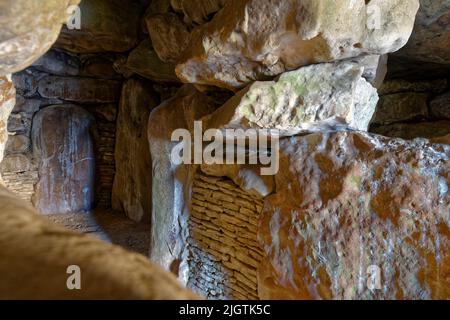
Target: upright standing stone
[
  {"x": 63, "y": 144},
  {"x": 132, "y": 190}
]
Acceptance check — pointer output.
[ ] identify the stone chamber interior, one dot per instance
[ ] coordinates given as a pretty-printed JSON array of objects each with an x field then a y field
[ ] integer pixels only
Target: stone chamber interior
[{"x": 364, "y": 114}]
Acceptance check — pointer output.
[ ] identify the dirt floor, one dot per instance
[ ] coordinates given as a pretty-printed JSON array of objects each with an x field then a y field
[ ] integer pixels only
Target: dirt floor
[{"x": 110, "y": 227}]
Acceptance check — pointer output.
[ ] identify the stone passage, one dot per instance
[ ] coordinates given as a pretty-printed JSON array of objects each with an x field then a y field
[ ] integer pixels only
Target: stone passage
[{"x": 225, "y": 254}]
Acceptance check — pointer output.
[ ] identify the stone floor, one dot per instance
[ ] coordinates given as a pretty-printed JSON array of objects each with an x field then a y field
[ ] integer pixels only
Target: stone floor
[{"x": 110, "y": 227}]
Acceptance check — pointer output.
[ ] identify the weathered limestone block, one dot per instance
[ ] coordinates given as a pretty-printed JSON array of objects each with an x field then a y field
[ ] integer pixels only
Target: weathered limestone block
[
  {"x": 39, "y": 251},
  {"x": 347, "y": 203},
  {"x": 244, "y": 43},
  {"x": 169, "y": 35},
  {"x": 144, "y": 61},
  {"x": 401, "y": 107},
  {"x": 133, "y": 182},
  {"x": 15, "y": 163},
  {"x": 320, "y": 97},
  {"x": 18, "y": 144},
  {"x": 62, "y": 142},
  {"x": 106, "y": 25},
  {"x": 29, "y": 28},
  {"x": 171, "y": 183},
  {"x": 84, "y": 90}
]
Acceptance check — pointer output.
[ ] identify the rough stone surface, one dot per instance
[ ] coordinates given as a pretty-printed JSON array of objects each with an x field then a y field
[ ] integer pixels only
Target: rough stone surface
[
  {"x": 144, "y": 61},
  {"x": 106, "y": 25},
  {"x": 223, "y": 226},
  {"x": 29, "y": 28},
  {"x": 62, "y": 141},
  {"x": 401, "y": 85},
  {"x": 169, "y": 36},
  {"x": 409, "y": 131},
  {"x": 347, "y": 201},
  {"x": 314, "y": 98},
  {"x": 244, "y": 43},
  {"x": 430, "y": 41},
  {"x": 440, "y": 106},
  {"x": 401, "y": 107},
  {"x": 84, "y": 90},
  {"x": 7, "y": 101},
  {"x": 197, "y": 11},
  {"x": 171, "y": 182},
  {"x": 36, "y": 249},
  {"x": 133, "y": 182}
]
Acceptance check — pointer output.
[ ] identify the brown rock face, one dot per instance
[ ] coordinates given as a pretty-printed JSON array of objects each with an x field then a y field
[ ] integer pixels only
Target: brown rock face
[
  {"x": 7, "y": 101},
  {"x": 169, "y": 35},
  {"x": 133, "y": 181},
  {"x": 84, "y": 90},
  {"x": 63, "y": 144},
  {"x": 350, "y": 204},
  {"x": 244, "y": 42},
  {"x": 28, "y": 29},
  {"x": 144, "y": 61},
  {"x": 36, "y": 254},
  {"x": 106, "y": 25}
]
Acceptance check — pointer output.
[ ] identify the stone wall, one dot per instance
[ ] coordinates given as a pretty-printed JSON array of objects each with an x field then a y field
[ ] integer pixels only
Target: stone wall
[
  {"x": 61, "y": 78},
  {"x": 225, "y": 253}
]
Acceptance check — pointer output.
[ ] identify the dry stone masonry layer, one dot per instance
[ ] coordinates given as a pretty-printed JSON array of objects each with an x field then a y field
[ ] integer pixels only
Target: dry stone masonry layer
[{"x": 224, "y": 251}]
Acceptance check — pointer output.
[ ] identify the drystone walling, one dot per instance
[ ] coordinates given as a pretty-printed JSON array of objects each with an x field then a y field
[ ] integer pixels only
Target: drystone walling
[{"x": 357, "y": 90}]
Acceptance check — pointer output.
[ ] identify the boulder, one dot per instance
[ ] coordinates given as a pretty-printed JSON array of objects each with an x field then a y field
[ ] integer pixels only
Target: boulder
[
  {"x": 320, "y": 97},
  {"x": 40, "y": 251},
  {"x": 169, "y": 35},
  {"x": 144, "y": 61},
  {"x": 244, "y": 43},
  {"x": 132, "y": 188},
  {"x": 170, "y": 187},
  {"x": 357, "y": 216},
  {"x": 29, "y": 29},
  {"x": 106, "y": 25},
  {"x": 62, "y": 141}
]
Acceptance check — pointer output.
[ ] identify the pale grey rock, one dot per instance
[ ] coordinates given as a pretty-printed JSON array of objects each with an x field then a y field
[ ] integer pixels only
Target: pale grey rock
[
  {"x": 320, "y": 97},
  {"x": 171, "y": 183},
  {"x": 244, "y": 43},
  {"x": 28, "y": 29}
]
